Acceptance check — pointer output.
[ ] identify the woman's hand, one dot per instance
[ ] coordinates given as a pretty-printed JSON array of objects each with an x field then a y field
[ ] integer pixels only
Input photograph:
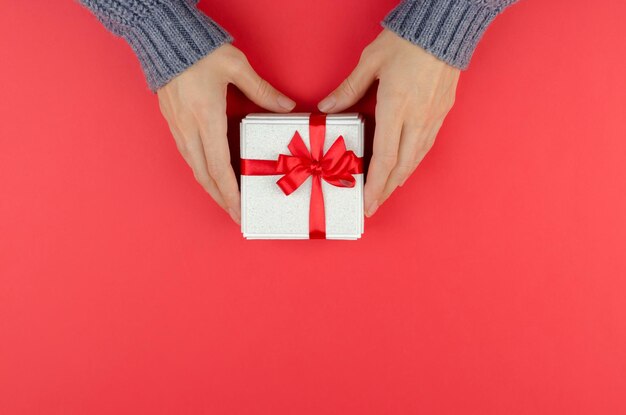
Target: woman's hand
[
  {"x": 194, "y": 105},
  {"x": 415, "y": 92}
]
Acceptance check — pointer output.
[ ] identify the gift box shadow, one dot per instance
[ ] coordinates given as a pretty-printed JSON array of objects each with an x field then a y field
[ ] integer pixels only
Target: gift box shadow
[{"x": 239, "y": 106}]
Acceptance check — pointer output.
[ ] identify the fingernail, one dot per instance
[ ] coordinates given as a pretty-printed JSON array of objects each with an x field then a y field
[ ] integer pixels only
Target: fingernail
[
  {"x": 372, "y": 208},
  {"x": 327, "y": 104},
  {"x": 286, "y": 103},
  {"x": 233, "y": 214},
  {"x": 403, "y": 181}
]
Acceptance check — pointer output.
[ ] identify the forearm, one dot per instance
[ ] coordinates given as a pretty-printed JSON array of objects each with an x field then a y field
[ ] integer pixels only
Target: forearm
[
  {"x": 167, "y": 36},
  {"x": 448, "y": 29}
]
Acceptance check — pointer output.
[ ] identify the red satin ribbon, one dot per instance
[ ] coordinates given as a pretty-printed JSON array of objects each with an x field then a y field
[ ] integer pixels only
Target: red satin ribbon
[{"x": 336, "y": 167}]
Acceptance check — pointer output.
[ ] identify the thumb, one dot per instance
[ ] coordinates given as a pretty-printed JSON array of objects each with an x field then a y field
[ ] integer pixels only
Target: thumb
[
  {"x": 259, "y": 91},
  {"x": 351, "y": 89}
]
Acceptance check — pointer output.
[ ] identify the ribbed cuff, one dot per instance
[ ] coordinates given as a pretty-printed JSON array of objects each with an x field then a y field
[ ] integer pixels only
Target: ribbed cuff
[
  {"x": 448, "y": 29},
  {"x": 171, "y": 38}
]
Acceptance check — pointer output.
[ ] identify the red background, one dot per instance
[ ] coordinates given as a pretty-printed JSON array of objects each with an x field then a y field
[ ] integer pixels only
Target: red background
[{"x": 492, "y": 283}]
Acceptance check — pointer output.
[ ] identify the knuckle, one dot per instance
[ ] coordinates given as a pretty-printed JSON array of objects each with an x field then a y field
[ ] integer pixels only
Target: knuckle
[
  {"x": 200, "y": 177},
  {"x": 348, "y": 87},
  {"x": 197, "y": 176},
  {"x": 417, "y": 122},
  {"x": 186, "y": 143},
  {"x": 230, "y": 196},
  {"x": 263, "y": 89},
  {"x": 386, "y": 160},
  {"x": 185, "y": 147},
  {"x": 405, "y": 168},
  {"x": 239, "y": 55},
  {"x": 238, "y": 63},
  {"x": 403, "y": 178},
  {"x": 451, "y": 101},
  {"x": 204, "y": 182},
  {"x": 367, "y": 53},
  {"x": 427, "y": 144},
  {"x": 216, "y": 168},
  {"x": 182, "y": 149}
]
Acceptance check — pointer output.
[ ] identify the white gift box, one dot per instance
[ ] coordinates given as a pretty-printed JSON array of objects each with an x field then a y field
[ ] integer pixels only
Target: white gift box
[{"x": 266, "y": 211}]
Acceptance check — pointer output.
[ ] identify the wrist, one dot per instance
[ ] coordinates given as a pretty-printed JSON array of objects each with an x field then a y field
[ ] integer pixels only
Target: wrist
[
  {"x": 172, "y": 37},
  {"x": 447, "y": 29}
]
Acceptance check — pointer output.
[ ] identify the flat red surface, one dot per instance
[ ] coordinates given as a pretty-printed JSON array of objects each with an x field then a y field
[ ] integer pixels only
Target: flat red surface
[{"x": 494, "y": 282}]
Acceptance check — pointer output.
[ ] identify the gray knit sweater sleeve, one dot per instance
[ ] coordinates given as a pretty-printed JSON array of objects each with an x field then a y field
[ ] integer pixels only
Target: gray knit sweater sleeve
[
  {"x": 448, "y": 29},
  {"x": 167, "y": 36}
]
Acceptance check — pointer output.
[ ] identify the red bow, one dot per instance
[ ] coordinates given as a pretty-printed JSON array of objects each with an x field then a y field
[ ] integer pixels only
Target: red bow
[{"x": 336, "y": 167}]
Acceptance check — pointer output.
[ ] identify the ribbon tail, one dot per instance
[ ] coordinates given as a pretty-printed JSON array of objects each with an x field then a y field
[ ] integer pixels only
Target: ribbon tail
[{"x": 317, "y": 217}]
